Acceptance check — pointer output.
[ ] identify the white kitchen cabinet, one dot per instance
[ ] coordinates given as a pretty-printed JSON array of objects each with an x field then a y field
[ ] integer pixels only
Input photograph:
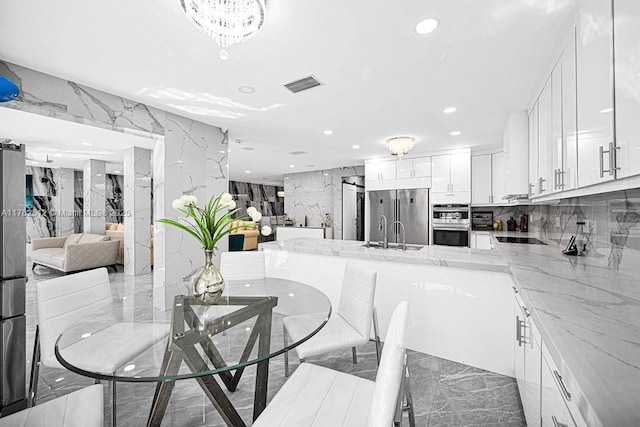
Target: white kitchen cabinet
[
  {"x": 627, "y": 85},
  {"x": 594, "y": 55},
  {"x": 528, "y": 372},
  {"x": 380, "y": 170},
  {"x": 480, "y": 240},
  {"x": 419, "y": 167},
  {"x": 451, "y": 178},
  {"x": 554, "y": 411},
  {"x": 515, "y": 147},
  {"x": 481, "y": 177},
  {"x": 533, "y": 151},
  {"x": 556, "y": 142},
  {"x": 545, "y": 115},
  {"x": 568, "y": 177},
  {"x": 497, "y": 178}
]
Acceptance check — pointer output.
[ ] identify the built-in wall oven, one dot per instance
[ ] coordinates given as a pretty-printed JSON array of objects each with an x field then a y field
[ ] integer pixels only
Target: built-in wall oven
[{"x": 451, "y": 225}]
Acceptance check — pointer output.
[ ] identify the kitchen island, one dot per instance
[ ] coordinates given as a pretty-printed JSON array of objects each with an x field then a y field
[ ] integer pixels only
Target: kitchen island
[{"x": 588, "y": 315}]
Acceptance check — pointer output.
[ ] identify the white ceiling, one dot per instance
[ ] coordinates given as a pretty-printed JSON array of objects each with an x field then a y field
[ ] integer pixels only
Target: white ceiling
[
  {"x": 65, "y": 143},
  {"x": 381, "y": 79}
]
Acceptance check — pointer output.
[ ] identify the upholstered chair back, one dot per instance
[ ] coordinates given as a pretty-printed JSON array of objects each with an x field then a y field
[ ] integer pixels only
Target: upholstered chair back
[
  {"x": 356, "y": 297},
  {"x": 390, "y": 371},
  {"x": 242, "y": 265},
  {"x": 63, "y": 301}
]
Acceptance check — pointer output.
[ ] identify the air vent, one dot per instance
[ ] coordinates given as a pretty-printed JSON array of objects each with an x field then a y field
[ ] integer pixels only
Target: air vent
[
  {"x": 297, "y": 153},
  {"x": 302, "y": 84}
]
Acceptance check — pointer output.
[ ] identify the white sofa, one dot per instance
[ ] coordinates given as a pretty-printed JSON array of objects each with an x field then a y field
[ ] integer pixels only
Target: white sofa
[{"x": 77, "y": 252}]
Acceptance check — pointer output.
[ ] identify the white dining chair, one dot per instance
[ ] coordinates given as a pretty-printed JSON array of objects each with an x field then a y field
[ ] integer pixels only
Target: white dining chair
[
  {"x": 319, "y": 397},
  {"x": 82, "y": 408},
  {"x": 242, "y": 265},
  {"x": 349, "y": 327},
  {"x": 64, "y": 302}
]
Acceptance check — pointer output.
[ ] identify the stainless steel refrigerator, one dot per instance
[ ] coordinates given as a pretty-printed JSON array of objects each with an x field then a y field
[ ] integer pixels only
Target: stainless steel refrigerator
[
  {"x": 12, "y": 279},
  {"x": 411, "y": 207}
]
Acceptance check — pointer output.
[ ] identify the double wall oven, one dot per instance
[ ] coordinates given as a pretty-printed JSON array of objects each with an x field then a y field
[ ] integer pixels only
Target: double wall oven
[{"x": 451, "y": 225}]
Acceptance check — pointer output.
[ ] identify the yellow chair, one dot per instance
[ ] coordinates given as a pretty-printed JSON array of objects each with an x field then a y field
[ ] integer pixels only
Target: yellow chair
[{"x": 250, "y": 233}]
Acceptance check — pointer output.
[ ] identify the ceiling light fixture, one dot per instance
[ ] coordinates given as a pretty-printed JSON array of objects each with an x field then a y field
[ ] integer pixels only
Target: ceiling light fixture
[
  {"x": 426, "y": 26},
  {"x": 606, "y": 110},
  {"x": 226, "y": 21},
  {"x": 292, "y": 166},
  {"x": 247, "y": 171},
  {"x": 246, "y": 89},
  {"x": 400, "y": 145},
  {"x": 455, "y": 133},
  {"x": 355, "y": 147},
  {"x": 88, "y": 144},
  {"x": 450, "y": 110},
  {"x": 328, "y": 132}
]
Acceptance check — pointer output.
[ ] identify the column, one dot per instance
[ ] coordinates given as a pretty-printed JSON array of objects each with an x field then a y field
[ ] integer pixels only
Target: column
[
  {"x": 94, "y": 198},
  {"x": 66, "y": 201},
  {"x": 192, "y": 159},
  {"x": 137, "y": 208}
]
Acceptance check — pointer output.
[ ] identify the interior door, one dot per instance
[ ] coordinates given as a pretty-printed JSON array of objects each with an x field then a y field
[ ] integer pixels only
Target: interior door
[
  {"x": 381, "y": 203},
  {"x": 413, "y": 212},
  {"x": 349, "y": 212}
]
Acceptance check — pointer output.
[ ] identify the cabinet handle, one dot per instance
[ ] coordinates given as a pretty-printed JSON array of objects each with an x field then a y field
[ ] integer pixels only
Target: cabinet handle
[
  {"x": 601, "y": 154},
  {"x": 563, "y": 388},
  {"x": 541, "y": 180},
  {"x": 556, "y": 423},
  {"x": 530, "y": 189},
  {"x": 612, "y": 160},
  {"x": 518, "y": 331},
  {"x": 555, "y": 179},
  {"x": 560, "y": 179},
  {"x": 515, "y": 290}
]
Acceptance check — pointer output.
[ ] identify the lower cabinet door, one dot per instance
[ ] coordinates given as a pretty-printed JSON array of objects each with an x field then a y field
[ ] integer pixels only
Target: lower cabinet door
[
  {"x": 554, "y": 409},
  {"x": 532, "y": 365}
]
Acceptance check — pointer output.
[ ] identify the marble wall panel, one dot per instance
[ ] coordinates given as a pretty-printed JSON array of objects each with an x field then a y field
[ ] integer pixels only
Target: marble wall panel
[
  {"x": 78, "y": 202},
  {"x": 66, "y": 203},
  {"x": 114, "y": 198},
  {"x": 94, "y": 196},
  {"x": 262, "y": 197},
  {"x": 312, "y": 194},
  {"x": 55, "y": 97},
  {"x": 188, "y": 161},
  {"x": 42, "y": 219},
  {"x": 137, "y": 200}
]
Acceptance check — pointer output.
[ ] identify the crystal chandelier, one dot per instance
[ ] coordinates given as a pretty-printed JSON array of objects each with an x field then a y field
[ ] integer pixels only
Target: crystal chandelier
[
  {"x": 400, "y": 145},
  {"x": 226, "y": 21}
]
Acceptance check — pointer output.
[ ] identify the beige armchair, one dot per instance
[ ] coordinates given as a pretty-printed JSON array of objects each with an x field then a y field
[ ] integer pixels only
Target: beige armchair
[
  {"x": 250, "y": 232},
  {"x": 116, "y": 232},
  {"x": 75, "y": 253}
]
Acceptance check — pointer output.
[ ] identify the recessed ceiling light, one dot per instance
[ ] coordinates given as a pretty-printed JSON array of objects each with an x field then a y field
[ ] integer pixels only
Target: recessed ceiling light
[
  {"x": 224, "y": 55},
  {"x": 292, "y": 166},
  {"x": 247, "y": 171},
  {"x": 455, "y": 133},
  {"x": 117, "y": 172},
  {"x": 326, "y": 174},
  {"x": 426, "y": 26},
  {"x": 246, "y": 89},
  {"x": 286, "y": 177},
  {"x": 328, "y": 132},
  {"x": 606, "y": 110},
  {"x": 87, "y": 144},
  {"x": 355, "y": 147},
  {"x": 222, "y": 151},
  {"x": 450, "y": 110}
]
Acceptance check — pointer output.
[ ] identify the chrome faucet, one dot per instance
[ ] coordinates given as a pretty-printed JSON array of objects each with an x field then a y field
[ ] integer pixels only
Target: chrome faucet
[
  {"x": 404, "y": 235},
  {"x": 385, "y": 243}
]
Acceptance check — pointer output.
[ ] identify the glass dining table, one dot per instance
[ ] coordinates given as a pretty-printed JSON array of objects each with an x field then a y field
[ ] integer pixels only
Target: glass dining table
[{"x": 195, "y": 341}]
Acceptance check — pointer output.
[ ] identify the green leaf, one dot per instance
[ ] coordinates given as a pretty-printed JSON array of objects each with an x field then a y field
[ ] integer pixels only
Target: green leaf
[{"x": 182, "y": 227}]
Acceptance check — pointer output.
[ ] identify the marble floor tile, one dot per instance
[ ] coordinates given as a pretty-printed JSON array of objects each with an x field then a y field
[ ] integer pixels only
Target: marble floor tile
[{"x": 445, "y": 393}]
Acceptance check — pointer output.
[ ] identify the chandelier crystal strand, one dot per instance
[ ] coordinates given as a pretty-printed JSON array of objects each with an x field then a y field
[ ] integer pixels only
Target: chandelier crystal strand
[
  {"x": 226, "y": 21},
  {"x": 400, "y": 145}
]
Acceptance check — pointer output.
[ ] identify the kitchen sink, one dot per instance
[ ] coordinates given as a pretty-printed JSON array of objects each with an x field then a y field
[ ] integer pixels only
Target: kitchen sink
[{"x": 396, "y": 246}]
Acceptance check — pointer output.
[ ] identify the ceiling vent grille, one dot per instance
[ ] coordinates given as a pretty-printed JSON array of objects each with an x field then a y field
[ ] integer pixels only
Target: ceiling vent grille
[
  {"x": 302, "y": 84},
  {"x": 297, "y": 153}
]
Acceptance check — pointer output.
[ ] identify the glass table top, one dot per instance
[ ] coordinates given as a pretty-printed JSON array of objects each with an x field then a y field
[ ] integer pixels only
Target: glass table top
[{"x": 131, "y": 344}]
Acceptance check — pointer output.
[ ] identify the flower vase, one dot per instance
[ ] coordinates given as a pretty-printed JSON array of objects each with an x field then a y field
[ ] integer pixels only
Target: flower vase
[{"x": 208, "y": 283}]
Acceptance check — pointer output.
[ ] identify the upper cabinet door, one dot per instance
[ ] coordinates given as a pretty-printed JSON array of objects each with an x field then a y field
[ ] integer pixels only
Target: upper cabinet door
[
  {"x": 545, "y": 175},
  {"x": 387, "y": 170},
  {"x": 404, "y": 168},
  {"x": 556, "y": 143},
  {"x": 460, "y": 172},
  {"x": 595, "y": 92},
  {"x": 497, "y": 178},
  {"x": 441, "y": 173},
  {"x": 569, "y": 176},
  {"x": 372, "y": 171},
  {"x": 533, "y": 151},
  {"x": 422, "y": 167},
  {"x": 627, "y": 86},
  {"x": 481, "y": 179}
]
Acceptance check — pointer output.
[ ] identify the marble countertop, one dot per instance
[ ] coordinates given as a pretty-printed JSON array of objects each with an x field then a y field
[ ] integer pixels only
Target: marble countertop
[{"x": 588, "y": 314}]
